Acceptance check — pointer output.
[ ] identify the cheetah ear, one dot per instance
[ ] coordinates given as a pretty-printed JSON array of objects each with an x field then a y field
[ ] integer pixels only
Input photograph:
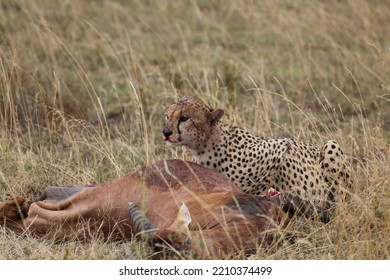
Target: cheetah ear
[
  {"x": 215, "y": 115},
  {"x": 185, "y": 99}
]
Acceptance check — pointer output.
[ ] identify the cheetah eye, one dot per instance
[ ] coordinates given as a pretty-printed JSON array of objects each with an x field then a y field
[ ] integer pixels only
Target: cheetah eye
[{"x": 183, "y": 119}]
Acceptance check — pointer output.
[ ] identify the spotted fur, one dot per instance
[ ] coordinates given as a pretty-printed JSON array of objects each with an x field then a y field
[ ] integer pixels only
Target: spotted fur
[{"x": 255, "y": 163}]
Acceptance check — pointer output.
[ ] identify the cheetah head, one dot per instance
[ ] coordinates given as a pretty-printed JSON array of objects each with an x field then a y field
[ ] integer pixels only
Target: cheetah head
[{"x": 189, "y": 122}]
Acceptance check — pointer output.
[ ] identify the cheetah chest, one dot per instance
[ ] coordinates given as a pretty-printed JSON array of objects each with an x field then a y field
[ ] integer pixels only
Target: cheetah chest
[{"x": 252, "y": 163}]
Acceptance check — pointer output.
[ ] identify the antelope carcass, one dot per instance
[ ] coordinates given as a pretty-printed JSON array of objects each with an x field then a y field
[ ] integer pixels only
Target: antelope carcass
[{"x": 173, "y": 202}]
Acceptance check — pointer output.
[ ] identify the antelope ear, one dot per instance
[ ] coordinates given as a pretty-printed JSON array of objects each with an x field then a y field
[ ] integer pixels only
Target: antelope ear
[{"x": 215, "y": 115}]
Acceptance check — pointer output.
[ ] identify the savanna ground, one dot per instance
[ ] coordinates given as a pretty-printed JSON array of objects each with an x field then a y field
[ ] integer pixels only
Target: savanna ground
[{"x": 83, "y": 87}]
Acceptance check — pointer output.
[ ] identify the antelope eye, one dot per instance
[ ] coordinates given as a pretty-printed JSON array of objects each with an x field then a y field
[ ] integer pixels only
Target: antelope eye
[{"x": 183, "y": 119}]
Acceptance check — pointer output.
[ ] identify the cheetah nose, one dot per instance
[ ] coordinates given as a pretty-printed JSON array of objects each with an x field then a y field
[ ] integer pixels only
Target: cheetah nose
[{"x": 167, "y": 132}]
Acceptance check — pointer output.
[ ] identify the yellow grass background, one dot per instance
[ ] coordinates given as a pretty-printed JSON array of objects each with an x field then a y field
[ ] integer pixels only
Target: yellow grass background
[{"x": 83, "y": 87}]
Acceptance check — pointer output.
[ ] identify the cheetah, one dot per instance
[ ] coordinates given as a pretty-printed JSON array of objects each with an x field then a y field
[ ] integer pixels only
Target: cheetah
[{"x": 254, "y": 163}]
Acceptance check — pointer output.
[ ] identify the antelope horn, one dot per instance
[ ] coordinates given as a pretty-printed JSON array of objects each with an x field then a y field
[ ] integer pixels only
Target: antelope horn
[{"x": 141, "y": 222}]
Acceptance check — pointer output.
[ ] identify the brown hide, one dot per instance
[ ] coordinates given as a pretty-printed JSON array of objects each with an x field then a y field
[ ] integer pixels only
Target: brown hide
[{"x": 224, "y": 220}]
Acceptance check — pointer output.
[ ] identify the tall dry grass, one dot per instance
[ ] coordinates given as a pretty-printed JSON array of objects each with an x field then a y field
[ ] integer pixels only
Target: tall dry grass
[{"x": 83, "y": 85}]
